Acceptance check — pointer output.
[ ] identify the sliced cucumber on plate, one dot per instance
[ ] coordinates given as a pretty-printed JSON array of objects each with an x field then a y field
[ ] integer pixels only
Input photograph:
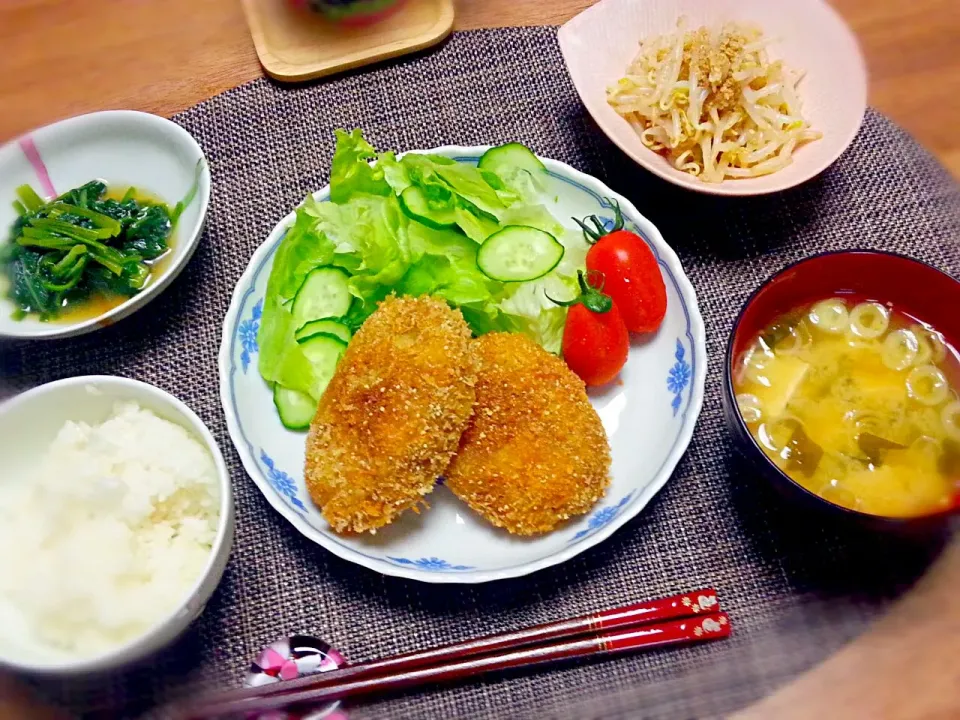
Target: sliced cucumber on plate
[
  {"x": 323, "y": 294},
  {"x": 296, "y": 409},
  {"x": 330, "y": 327},
  {"x": 323, "y": 350},
  {"x": 416, "y": 206},
  {"x": 504, "y": 160},
  {"x": 519, "y": 253},
  {"x": 322, "y": 299},
  {"x": 323, "y": 342}
]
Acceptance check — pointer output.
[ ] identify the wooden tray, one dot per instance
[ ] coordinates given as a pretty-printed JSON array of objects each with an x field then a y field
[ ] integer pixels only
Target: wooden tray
[{"x": 294, "y": 44}]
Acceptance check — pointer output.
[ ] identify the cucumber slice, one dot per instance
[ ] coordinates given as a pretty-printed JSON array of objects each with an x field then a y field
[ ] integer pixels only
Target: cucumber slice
[
  {"x": 296, "y": 410},
  {"x": 415, "y": 205},
  {"x": 324, "y": 294},
  {"x": 519, "y": 253},
  {"x": 330, "y": 327},
  {"x": 323, "y": 351},
  {"x": 505, "y": 160}
]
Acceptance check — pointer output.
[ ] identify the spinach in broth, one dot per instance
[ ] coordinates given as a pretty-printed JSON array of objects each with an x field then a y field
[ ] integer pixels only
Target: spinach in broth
[{"x": 87, "y": 251}]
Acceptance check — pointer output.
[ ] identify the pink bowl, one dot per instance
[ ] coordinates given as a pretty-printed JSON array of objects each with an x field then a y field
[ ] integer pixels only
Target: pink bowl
[{"x": 809, "y": 35}]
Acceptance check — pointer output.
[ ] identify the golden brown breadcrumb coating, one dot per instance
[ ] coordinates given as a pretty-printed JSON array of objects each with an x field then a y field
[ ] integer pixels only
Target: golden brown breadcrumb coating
[
  {"x": 392, "y": 416},
  {"x": 535, "y": 452}
]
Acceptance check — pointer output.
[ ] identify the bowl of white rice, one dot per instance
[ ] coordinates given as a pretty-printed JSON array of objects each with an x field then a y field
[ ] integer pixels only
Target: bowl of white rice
[{"x": 116, "y": 522}]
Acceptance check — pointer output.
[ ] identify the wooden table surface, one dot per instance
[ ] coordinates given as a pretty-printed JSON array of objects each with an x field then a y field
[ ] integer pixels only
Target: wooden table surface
[{"x": 63, "y": 57}]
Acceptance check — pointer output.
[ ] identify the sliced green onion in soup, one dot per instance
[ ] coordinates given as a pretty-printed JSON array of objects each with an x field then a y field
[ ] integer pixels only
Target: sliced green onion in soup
[
  {"x": 830, "y": 316},
  {"x": 924, "y": 349},
  {"x": 750, "y": 409},
  {"x": 797, "y": 339},
  {"x": 900, "y": 349},
  {"x": 775, "y": 434},
  {"x": 869, "y": 320},
  {"x": 741, "y": 367},
  {"x": 928, "y": 385},
  {"x": 931, "y": 345},
  {"x": 950, "y": 417},
  {"x": 752, "y": 363},
  {"x": 787, "y": 335},
  {"x": 938, "y": 344},
  {"x": 855, "y": 341}
]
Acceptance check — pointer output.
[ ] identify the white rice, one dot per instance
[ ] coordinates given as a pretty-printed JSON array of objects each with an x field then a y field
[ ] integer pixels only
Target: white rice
[{"x": 109, "y": 534}]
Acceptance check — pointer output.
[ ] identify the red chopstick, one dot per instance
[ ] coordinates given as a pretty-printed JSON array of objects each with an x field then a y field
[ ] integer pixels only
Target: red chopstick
[
  {"x": 713, "y": 626},
  {"x": 689, "y": 604}
]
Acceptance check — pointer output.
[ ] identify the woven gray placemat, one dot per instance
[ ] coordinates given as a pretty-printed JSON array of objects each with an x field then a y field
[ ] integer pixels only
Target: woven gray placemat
[{"x": 796, "y": 586}]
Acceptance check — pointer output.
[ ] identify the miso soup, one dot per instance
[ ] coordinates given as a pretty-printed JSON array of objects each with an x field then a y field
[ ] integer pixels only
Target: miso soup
[{"x": 858, "y": 403}]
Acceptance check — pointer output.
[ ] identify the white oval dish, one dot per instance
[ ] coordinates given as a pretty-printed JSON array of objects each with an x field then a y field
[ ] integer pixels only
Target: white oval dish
[
  {"x": 809, "y": 35},
  {"x": 121, "y": 147},
  {"x": 29, "y": 422},
  {"x": 649, "y": 418}
]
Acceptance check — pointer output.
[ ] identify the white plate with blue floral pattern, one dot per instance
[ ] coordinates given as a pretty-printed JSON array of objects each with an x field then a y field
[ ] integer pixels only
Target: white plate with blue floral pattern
[{"x": 649, "y": 416}]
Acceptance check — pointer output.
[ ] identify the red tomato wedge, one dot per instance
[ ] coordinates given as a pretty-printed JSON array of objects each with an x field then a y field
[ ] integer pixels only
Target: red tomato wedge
[{"x": 632, "y": 275}]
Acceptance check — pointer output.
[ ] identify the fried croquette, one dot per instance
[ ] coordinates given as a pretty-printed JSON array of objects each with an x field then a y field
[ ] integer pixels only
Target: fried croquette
[
  {"x": 391, "y": 417},
  {"x": 535, "y": 452}
]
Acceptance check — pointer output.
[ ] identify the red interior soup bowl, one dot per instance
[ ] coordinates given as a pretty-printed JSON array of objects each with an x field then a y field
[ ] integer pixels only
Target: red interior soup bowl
[{"x": 911, "y": 300}]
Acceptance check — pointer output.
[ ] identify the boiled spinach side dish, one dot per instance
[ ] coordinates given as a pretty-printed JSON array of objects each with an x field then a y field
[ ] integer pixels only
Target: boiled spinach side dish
[{"x": 89, "y": 246}]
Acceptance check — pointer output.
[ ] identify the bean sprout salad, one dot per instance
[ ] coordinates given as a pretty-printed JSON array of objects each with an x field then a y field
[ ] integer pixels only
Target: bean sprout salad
[{"x": 713, "y": 102}]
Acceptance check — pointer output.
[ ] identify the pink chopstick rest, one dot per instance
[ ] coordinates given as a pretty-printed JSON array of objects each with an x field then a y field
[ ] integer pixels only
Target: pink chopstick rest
[{"x": 290, "y": 658}]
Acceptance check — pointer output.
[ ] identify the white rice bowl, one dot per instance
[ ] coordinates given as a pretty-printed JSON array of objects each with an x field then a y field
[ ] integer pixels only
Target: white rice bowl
[{"x": 108, "y": 528}]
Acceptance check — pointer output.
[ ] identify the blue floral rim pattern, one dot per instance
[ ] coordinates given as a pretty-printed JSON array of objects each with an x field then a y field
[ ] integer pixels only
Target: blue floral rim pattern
[
  {"x": 281, "y": 482},
  {"x": 679, "y": 377},
  {"x": 247, "y": 331},
  {"x": 430, "y": 564},
  {"x": 603, "y": 517}
]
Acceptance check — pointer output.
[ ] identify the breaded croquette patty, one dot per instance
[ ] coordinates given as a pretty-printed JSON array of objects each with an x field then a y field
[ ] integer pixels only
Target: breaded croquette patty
[
  {"x": 535, "y": 452},
  {"x": 392, "y": 416}
]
